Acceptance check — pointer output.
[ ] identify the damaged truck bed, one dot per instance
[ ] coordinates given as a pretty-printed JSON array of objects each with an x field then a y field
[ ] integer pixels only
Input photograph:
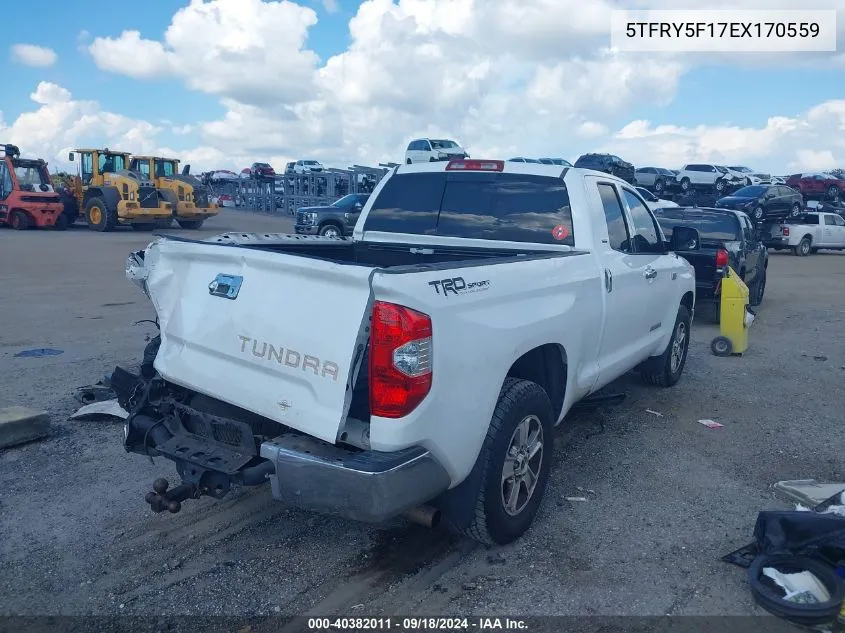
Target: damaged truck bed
[{"x": 414, "y": 369}]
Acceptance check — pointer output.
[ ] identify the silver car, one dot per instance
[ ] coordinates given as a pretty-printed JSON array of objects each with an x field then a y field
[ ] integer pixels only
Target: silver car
[{"x": 655, "y": 178}]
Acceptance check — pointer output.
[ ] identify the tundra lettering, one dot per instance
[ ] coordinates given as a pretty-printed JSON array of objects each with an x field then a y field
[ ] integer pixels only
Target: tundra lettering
[{"x": 290, "y": 358}]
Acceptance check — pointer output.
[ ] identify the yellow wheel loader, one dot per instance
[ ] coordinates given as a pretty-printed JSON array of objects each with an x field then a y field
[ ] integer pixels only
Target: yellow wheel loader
[
  {"x": 187, "y": 194},
  {"x": 109, "y": 194}
]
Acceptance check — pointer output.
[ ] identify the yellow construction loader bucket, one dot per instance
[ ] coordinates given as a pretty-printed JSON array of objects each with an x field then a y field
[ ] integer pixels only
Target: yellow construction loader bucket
[{"x": 735, "y": 317}]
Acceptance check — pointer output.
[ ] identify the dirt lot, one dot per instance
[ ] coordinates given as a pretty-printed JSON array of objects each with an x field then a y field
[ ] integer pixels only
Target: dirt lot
[{"x": 666, "y": 497}]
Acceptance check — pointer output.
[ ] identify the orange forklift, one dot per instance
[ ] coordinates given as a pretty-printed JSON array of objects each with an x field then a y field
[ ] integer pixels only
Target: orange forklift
[{"x": 27, "y": 198}]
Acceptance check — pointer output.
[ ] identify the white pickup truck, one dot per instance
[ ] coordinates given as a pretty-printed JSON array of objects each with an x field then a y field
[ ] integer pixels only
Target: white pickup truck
[
  {"x": 418, "y": 368},
  {"x": 807, "y": 233}
]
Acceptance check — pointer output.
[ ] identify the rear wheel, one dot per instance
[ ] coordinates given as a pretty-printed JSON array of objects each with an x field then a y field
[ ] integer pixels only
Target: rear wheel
[
  {"x": 19, "y": 220},
  {"x": 833, "y": 192},
  {"x": 665, "y": 370},
  {"x": 720, "y": 185},
  {"x": 757, "y": 292},
  {"x": 98, "y": 215},
  {"x": 685, "y": 184},
  {"x": 796, "y": 209},
  {"x": 659, "y": 186},
  {"x": 190, "y": 224},
  {"x": 330, "y": 230},
  {"x": 516, "y": 454},
  {"x": 758, "y": 213},
  {"x": 804, "y": 247}
]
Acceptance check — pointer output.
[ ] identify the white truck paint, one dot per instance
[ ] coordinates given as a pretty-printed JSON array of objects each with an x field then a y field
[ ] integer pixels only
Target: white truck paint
[
  {"x": 514, "y": 323},
  {"x": 812, "y": 231}
]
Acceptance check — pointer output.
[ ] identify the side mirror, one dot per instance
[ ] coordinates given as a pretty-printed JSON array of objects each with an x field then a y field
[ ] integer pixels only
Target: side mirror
[
  {"x": 684, "y": 238},
  {"x": 71, "y": 157},
  {"x": 357, "y": 206}
]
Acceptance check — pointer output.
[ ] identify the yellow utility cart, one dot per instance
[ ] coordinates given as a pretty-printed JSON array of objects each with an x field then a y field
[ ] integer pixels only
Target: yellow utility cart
[{"x": 735, "y": 316}]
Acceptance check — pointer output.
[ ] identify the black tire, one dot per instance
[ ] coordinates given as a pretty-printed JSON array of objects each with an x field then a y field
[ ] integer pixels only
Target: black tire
[
  {"x": 804, "y": 247},
  {"x": 665, "y": 370},
  {"x": 833, "y": 192},
  {"x": 796, "y": 210},
  {"x": 756, "y": 293},
  {"x": 519, "y": 401},
  {"x": 164, "y": 224},
  {"x": 61, "y": 223},
  {"x": 758, "y": 213},
  {"x": 190, "y": 224},
  {"x": 331, "y": 230},
  {"x": 685, "y": 184},
  {"x": 719, "y": 185},
  {"x": 143, "y": 226},
  {"x": 103, "y": 221},
  {"x": 804, "y": 615},
  {"x": 432, "y": 159},
  {"x": 19, "y": 220},
  {"x": 659, "y": 186},
  {"x": 721, "y": 346}
]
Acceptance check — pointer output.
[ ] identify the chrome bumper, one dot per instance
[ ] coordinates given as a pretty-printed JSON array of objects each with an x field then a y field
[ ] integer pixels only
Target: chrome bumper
[{"x": 368, "y": 486}]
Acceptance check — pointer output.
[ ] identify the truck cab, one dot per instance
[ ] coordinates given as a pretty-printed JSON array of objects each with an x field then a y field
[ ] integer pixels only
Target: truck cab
[
  {"x": 27, "y": 198},
  {"x": 186, "y": 193},
  {"x": 109, "y": 194}
]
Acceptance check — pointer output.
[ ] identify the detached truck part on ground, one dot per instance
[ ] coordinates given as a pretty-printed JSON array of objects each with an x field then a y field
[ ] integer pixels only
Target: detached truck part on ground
[
  {"x": 108, "y": 194},
  {"x": 27, "y": 198},
  {"x": 186, "y": 193},
  {"x": 418, "y": 368}
]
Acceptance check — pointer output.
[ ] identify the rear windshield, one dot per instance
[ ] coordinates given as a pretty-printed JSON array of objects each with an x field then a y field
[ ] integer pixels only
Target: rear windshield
[
  {"x": 490, "y": 206},
  {"x": 810, "y": 218},
  {"x": 710, "y": 227}
]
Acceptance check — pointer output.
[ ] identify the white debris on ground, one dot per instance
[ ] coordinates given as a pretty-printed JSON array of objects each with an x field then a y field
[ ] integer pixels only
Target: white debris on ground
[{"x": 103, "y": 409}]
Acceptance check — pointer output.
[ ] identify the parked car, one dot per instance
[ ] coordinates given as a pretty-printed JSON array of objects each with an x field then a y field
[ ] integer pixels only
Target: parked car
[
  {"x": 219, "y": 175},
  {"x": 343, "y": 386},
  {"x": 246, "y": 172},
  {"x": 808, "y": 233},
  {"x": 707, "y": 175},
  {"x": 262, "y": 170},
  {"x": 289, "y": 168},
  {"x": 609, "y": 164},
  {"x": 520, "y": 159},
  {"x": 334, "y": 220},
  {"x": 727, "y": 238},
  {"x": 752, "y": 177},
  {"x": 764, "y": 202},
  {"x": 224, "y": 200},
  {"x": 429, "y": 150},
  {"x": 656, "y": 178},
  {"x": 653, "y": 201},
  {"x": 307, "y": 166},
  {"x": 555, "y": 161},
  {"x": 818, "y": 185}
]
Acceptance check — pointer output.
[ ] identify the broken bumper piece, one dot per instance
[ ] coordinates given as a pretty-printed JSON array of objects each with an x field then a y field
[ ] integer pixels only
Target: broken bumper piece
[{"x": 368, "y": 486}]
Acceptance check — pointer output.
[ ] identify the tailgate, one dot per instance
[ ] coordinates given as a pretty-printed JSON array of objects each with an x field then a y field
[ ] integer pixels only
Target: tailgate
[
  {"x": 704, "y": 263},
  {"x": 273, "y": 333}
]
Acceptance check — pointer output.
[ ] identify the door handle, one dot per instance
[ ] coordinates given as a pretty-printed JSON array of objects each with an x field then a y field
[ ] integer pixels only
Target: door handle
[
  {"x": 650, "y": 273},
  {"x": 608, "y": 280}
]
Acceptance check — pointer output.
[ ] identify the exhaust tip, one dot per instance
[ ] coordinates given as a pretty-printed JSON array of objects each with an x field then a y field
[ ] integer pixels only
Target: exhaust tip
[{"x": 424, "y": 515}]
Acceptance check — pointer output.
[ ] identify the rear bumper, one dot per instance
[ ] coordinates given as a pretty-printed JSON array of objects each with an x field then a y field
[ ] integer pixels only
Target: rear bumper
[
  {"x": 776, "y": 242},
  {"x": 368, "y": 486}
]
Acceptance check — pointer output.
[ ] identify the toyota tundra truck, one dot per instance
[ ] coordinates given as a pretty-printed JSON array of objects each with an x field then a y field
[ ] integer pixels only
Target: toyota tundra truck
[{"x": 419, "y": 367}]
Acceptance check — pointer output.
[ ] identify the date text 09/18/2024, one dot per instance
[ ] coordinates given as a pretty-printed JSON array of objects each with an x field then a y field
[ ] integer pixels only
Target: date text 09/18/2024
[{"x": 417, "y": 624}]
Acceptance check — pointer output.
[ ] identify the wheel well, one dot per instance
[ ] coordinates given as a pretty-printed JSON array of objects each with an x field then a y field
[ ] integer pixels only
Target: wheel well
[
  {"x": 687, "y": 301},
  {"x": 333, "y": 222},
  {"x": 92, "y": 193},
  {"x": 545, "y": 365},
  {"x": 808, "y": 237}
]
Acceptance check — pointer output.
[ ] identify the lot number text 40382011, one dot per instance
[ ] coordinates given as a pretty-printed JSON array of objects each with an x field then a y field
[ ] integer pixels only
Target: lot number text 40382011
[{"x": 408, "y": 624}]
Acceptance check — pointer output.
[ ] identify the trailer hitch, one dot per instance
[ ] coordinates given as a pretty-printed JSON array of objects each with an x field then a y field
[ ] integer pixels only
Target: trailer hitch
[{"x": 165, "y": 498}]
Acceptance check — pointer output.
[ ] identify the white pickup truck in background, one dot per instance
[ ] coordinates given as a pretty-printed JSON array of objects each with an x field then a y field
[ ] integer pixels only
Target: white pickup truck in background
[
  {"x": 807, "y": 233},
  {"x": 418, "y": 368}
]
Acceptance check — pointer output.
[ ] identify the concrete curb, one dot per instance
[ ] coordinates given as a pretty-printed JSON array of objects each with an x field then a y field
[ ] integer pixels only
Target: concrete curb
[{"x": 19, "y": 425}]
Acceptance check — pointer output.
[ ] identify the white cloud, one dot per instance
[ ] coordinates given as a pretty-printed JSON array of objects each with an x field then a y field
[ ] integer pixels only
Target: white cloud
[
  {"x": 331, "y": 6},
  {"x": 503, "y": 77},
  {"x": 32, "y": 55},
  {"x": 812, "y": 140}
]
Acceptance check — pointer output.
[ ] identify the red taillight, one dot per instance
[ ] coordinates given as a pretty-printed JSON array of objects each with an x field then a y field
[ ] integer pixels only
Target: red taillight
[
  {"x": 721, "y": 258},
  {"x": 476, "y": 165},
  {"x": 400, "y": 359},
  {"x": 785, "y": 230}
]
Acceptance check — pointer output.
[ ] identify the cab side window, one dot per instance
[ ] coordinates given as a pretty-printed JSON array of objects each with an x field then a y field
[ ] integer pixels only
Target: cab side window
[
  {"x": 645, "y": 238},
  {"x": 614, "y": 217},
  {"x": 5, "y": 182}
]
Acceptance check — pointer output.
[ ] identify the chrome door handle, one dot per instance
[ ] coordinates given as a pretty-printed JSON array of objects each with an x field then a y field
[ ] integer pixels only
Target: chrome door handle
[
  {"x": 608, "y": 280},
  {"x": 650, "y": 273}
]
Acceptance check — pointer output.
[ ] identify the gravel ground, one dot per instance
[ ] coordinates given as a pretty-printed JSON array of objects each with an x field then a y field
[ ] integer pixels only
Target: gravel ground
[{"x": 665, "y": 496}]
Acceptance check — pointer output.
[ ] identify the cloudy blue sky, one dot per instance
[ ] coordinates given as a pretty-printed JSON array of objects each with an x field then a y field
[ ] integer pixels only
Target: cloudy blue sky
[{"x": 223, "y": 83}]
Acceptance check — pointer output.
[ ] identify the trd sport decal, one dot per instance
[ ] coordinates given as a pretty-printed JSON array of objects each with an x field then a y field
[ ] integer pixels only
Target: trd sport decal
[{"x": 458, "y": 286}]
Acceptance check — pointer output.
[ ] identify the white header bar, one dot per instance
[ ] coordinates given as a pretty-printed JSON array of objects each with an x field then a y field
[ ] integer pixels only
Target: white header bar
[{"x": 726, "y": 31}]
